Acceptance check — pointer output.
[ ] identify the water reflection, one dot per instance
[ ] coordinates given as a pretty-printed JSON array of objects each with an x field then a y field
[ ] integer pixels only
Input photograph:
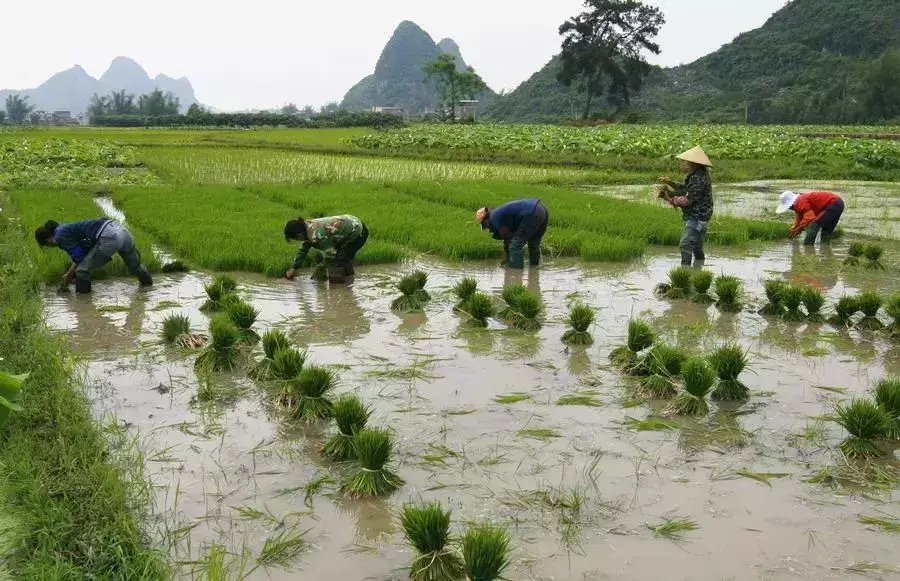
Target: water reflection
[{"x": 329, "y": 314}]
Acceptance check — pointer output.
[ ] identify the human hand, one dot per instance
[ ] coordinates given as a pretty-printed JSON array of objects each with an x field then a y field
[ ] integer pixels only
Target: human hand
[
  {"x": 666, "y": 181},
  {"x": 68, "y": 277},
  {"x": 290, "y": 274}
]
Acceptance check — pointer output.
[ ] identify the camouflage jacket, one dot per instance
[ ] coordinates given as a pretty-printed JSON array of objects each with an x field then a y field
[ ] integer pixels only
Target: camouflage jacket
[
  {"x": 327, "y": 235},
  {"x": 694, "y": 196}
]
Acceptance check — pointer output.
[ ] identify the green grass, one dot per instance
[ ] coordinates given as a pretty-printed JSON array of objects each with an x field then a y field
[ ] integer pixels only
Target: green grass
[
  {"x": 587, "y": 398},
  {"x": 673, "y": 529},
  {"x": 888, "y": 525},
  {"x": 512, "y": 398},
  {"x": 539, "y": 433}
]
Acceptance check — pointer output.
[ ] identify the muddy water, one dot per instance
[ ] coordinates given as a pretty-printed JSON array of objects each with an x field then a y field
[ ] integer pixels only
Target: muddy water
[
  {"x": 871, "y": 207},
  {"x": 456, "y": 445}
]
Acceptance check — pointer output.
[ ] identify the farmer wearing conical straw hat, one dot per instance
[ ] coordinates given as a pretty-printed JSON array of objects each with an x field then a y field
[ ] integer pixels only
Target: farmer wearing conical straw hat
[{"x": 694, "y": 197}]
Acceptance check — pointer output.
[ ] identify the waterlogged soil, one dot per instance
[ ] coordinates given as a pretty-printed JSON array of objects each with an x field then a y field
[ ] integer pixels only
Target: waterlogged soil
[
  {"x": 871, "y": 207},
  {"x": 433, "y": 381}
]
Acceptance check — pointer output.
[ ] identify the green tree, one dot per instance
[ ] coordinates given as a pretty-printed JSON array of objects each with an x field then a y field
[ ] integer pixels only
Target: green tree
[
  {"x": 603, "y": 49},
  {"x": 2, "y": 116},
  {"x": 17, "y": 109},
  {"x": 121, "y": 103},
  {"x": 289, "y": 109},
  {"x": 453, "y": 85},
  {"x": 158, "y": 103},
  {"x": 883, "y": 87},
  {"x": 98, "y": 106}
]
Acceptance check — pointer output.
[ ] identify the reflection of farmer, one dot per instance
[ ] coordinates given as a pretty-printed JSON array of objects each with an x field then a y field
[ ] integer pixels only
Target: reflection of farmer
[
  {"x": 91, "y": 244},
  {"x": 517, "y": 223},
  {"x": 339, "y": 238},
  {"x": 694, "y": 197},
  {"x": 816, "y": 212}
]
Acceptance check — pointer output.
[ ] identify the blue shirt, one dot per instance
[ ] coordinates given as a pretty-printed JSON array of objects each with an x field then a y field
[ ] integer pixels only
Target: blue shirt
[
  {"x": 505, "y": 220},
  {"x": 77, "y": 238}
]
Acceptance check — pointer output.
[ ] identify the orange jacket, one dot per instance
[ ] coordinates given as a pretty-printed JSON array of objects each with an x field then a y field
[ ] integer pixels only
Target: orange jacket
[{"x": 810, "y": 207}]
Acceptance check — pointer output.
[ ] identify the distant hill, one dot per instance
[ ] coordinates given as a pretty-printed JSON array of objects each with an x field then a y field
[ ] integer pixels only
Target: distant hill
[
  {"x": 398, "y": 80},
  {"x": 72, "y": 89},
  {"x": 807, "y": 63}
]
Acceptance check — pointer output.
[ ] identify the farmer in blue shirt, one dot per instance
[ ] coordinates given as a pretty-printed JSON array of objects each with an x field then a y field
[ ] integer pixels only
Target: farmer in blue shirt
[
  {"x": 517, "y": 223},
  {"x": 91, "y": 244}
]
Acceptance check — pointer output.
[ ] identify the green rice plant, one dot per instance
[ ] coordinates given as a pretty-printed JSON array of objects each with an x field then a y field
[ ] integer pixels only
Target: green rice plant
[
  {"x": 309, "y": 392},
  {"x": 287, "y": 363},
  {"x": 844, "y": 309},
  {"x": 889, "y": 525},
  {"x": 887, "y": 395},
  {"x": 243, "y": 315},
  {"x": 485, "y": 552},
  {"x": 580, "y": 318},
  {"x": 869, "y": 303},
  {"x": 640, "y": 336},
  {"x": 216, "y": 292},
  {"x": 525, "y": 316},
  {"x": 173, "y": 327},
  {"x": 865, "y": 421},
  {"x": 421, "y": 278},
  {"x": 813, "y": 300},
  {"x": 370, "y": 476},
  {"x": 513, "y": 397},
  {"x": 586, "y": 398},
  {"x": 480, "y": 308},
  {"x": 427, "y": 530},
  {"x": 774, "y": 288},
  {"x": 464, "y": 289},
  {"x": 854, "y": 253},
  {"x": 350, "y": 416},
  {"x": 679, "y": 283},
  {"x": 222, "y": 351},
  {"x": 702, "y": 281},
  {"x": 892, "y": 308},
  {"x": 510, "y": 295},
  {"x": 273, "y": 340},
  {"x": 410, "y": 298},
  {"x": 662, "y": 365},
  {"x": 673, "y": 529},
  {"x": 873, "y": 254},
  {"x": 792, "y": 297},
  {"x": 698, "y": 378},
  {"x": 729, "y": 290},
  {"x": 175, "y": 266},
  {"x": 729, "y": 361},
  {"x": 10, "y": 390}
]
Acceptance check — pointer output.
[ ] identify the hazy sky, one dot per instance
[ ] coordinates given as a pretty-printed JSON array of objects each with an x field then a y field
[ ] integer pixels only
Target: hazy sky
[{"x": 269, "y": 52}]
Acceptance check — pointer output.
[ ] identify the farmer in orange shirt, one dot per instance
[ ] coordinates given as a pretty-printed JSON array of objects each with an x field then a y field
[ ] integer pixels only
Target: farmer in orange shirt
[{"x": 816, "y": 211}]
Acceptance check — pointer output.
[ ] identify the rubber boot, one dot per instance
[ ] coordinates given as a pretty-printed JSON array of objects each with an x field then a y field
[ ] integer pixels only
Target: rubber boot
[
  {"x": 516, "y": 259},
  {"x": 534, "y": 257},
  {"x": 811, "y": 233},
  {"x": 686, "y": 258},
  {"x": 336, "y": 274},
  {"x": 82, "y": 285},
  {"x": 144, "y": 277}
]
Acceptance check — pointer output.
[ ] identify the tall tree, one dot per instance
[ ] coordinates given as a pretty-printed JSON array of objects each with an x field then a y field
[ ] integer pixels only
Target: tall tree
[
  {"x": 453, "y": 85},
  {"x": 289, "y": 109},
  {"x": 17, "y": 108},
  {"x": 120, "y": 103},
  {"x": 603, "y": 49},
  {"x": 883, "y": 87},
  {"x": 2, "y": 116},
  {"x": 98, "y": 106},
  {"x": 158, "y": 103}
]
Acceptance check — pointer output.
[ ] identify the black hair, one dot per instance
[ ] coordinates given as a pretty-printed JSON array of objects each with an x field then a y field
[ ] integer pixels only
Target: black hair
[
  {"x": 44, "y": 233},
  {"x": 295, "y": 230}
]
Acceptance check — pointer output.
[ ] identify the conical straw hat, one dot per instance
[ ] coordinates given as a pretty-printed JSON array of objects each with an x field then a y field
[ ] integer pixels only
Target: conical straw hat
[{"x": 696, "y": 155}]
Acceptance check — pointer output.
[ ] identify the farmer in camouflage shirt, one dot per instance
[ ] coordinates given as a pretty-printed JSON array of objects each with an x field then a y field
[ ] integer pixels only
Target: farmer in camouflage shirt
[
  {"x": 339, "y": 238},
  {"x": 694, "y": 197}
]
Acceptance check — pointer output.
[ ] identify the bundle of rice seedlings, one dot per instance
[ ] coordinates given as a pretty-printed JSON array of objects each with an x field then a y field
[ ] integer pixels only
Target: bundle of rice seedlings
[
  {"x": 370, "y": 476},
  {"x": 288, "y": 362},
  {"x": 528, "y": 308},
  {"x": 864, "y": 420},
  {"x": 581, "y": 317},
  {"x": 221, "y": 287},
  {"x": 729, "y": 361},
  {"x": 480, "y": 308},
  {"x": 464, "y": 290},
  {"x": 175, "y": 266},
  {"x": 421, "y": 279},
  {"x": 662, "y": 364},
  {"x": 869, "y": 303},
  {"x": 173, "y": 327},
  {"x": 887, "y": 394},
  {"x": 273, "y": 340},
  {"x": 774, "y": 288},
  {"x": 243, "y": 315},
  {"x": 310, "y": 392},
  {"x": 813, "y": 300},
  {"x": 350, "y": 415},
  {"x": 319, "y": 271},
  {"x": 854, "y": 253},
  {"x": 485, "y": 552},
  {"x": 792, "y": 298},
  {"x": 640, "y": 337},
  {"x": 844, "y": 309},
  {"x": 427, "y": 529},
  {"x": 510, "y": 295},
  {"x": 873, "y": 254},
  {"x": 222, "y": 352},
  {"x": 893, "y": 311},
  {"x": 702, "y": 281},
  {"x": 698, "y": 378},
  {"x": 679, "y": 283},
  {"x": 410, "y": 299},
  {"x": 728, "y": 290}
]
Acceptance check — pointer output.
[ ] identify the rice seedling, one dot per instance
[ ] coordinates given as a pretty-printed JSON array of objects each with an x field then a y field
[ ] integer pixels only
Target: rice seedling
[
  {"x": 792, "y": 298},
  {"x": 370, "y": 476},
  {"x": 869, "y": 303},
  {"x": 888, "y": 525},
  {"x": 273, "y": 340},
  {"x": 587, "y": 398},
  {"x": 175, "y": 266},
  {"x": 510, "y": 295},
  {"x": 243, "y": 315},
  {"x": 729, "y": 361},
  {"x": 702, "y": 281},
  {"x": 698, "y": 378},
  {"x": 287, "y": 362},
  {"x": 673, "y": 529},
  {"x": 854, "y": 253},
  {"x": 173, "y": 327},
  {"x": 350, "y": 416},
  {"x": 464, "y": 289},
  {"x": 774, "y": 288},
  {"x": 679, "y": 286},
  {"x": 813, "y": 300},
  {"x": 410, "y": 298},
  {"x": 216, "y": 292},
  {"x": 580, "y": 318},
  {"x": 887, "y": 395},
  {"x": 513, "y": 397},
  {"x": 480, "y": 308},
  {"x": 864, "y": 420},
  {"x": 427, "y": 530},
  {"x": 525, "y": 315},
  {"x": 640, "y": 336},
  {"x": 728, "y": 290},
  {"x": 485, "y": 552},
  {"x": 662, "y": 364},
  {"x": 539, "y": 433},
  {"x": 222, "y": 352},
  {"x": 651, "y": 424},
  {"x": 281, "y": 548},
  {"x": 873, "y": 254},
  {"x": 308, "y": 393},
  {"x": 421, "y": 278},
  {"x": 844, "y": 309},
  {"x": 892, "y": 308}
]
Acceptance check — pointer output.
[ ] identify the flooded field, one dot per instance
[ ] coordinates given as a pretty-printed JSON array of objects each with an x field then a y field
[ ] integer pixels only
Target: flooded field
[{"x": 577, "y": 486}]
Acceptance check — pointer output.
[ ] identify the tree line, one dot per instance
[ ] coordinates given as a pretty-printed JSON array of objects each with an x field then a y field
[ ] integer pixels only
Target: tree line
[
  {"x": 198, "y": 117},
  {"x": 154, "y": 103}
]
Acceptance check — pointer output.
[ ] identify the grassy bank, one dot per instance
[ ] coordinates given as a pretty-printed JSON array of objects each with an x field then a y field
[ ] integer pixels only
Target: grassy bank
[{"x": 78, "y": 509}]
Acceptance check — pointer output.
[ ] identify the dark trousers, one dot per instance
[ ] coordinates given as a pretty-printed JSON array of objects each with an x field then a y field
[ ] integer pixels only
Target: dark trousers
[
  {"x": 346, "y": 253},
  {"x": 826, "y": 224},
  {"x": 530, "y": 232}
]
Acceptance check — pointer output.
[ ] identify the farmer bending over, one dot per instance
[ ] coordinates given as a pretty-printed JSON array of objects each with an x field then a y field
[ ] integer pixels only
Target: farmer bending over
[
  {"x": 91, "y": 244},
  {"x": 339, "y": 238},
  {"x": 694, "y": 197},
  {"x": 517, "y": 224},
  {"x": 816, "y": 212}
]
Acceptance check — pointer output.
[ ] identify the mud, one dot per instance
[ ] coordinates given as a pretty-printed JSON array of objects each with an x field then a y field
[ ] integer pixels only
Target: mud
[{"x": 456, "y": 445}]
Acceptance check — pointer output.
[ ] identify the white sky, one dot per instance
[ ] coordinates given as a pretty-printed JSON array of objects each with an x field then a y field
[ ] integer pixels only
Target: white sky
[{"x": 265, "y": 53}]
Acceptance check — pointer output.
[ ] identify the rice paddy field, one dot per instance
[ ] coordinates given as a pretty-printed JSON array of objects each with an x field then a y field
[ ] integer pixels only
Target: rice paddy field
[{"x": 610, "y": 418}]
